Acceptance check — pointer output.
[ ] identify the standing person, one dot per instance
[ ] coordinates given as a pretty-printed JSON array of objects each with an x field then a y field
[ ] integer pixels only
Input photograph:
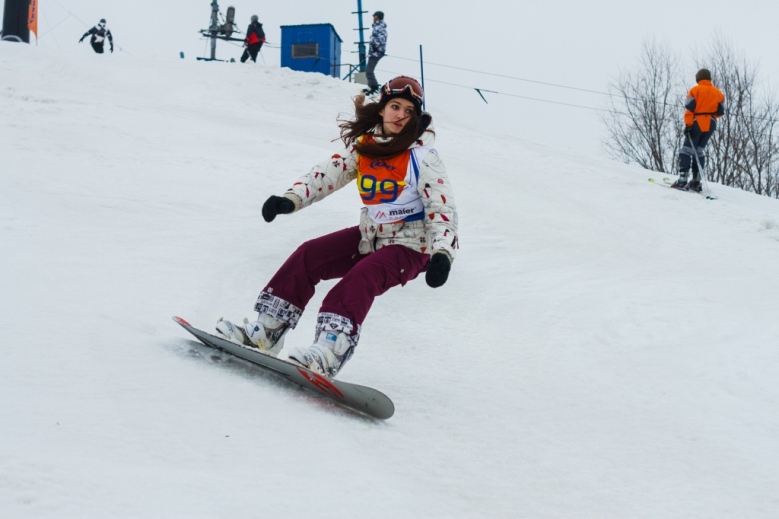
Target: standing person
[
  {"x": 408, "y": 225},
  {"x": 704, "y": 105},
  {"x": 99, "y": 34},
  {"x": 376, "y": 50},
  {"x": 255, "y": 37}
]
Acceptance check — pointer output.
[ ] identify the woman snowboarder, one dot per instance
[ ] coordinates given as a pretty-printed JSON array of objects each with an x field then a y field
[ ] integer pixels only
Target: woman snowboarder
[{"x": 408, "y": 225}]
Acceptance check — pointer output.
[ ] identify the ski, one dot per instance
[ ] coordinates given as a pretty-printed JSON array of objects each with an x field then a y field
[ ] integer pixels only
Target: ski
[
  {"x": 352, "y": 396},
  {"x": 666, "y": 182}
]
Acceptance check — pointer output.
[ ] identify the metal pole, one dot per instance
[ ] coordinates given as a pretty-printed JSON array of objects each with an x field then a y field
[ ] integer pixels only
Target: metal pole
[
  {"x": 422, "y": 71},
  {"x": 15, "y": 21},
  {"x": 705, "y": 191},
  {"x": 214, "y": 27},
  {"x": 361, "y": 46}
]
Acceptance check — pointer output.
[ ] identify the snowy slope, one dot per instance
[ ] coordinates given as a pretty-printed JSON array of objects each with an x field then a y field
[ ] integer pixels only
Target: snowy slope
[{"x": 604, "y": 347}]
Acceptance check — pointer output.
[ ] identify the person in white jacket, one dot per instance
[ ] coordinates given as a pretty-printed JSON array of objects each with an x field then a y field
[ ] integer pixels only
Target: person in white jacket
[{"x": 408, "y": 225}]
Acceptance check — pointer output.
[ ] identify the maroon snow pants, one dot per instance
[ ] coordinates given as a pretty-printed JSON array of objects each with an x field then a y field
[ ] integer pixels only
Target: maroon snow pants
[{"x": 363, "y": 277}]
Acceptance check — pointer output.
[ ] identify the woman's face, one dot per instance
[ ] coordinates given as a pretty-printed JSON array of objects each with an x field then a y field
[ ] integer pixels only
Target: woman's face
[{"x": 396, "y": 114}]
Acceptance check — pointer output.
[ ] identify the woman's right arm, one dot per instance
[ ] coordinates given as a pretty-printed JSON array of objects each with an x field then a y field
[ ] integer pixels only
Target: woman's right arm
[{"x": 323, "y": 180}]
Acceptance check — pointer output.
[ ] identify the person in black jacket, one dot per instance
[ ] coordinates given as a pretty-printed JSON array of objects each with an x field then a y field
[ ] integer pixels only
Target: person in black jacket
[
  {"x": 255, "y": 37},
  {"x": 99, "y": 34}
]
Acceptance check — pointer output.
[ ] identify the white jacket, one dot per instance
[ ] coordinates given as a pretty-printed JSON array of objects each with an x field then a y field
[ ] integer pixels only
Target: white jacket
[{"x": 437, "y": 232}]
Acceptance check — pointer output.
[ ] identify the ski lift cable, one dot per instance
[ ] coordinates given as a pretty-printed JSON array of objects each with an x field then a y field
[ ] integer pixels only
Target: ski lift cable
[
  {"x": 546, "y": 83},
  {"x": 51, "y": 28},
  {"x": 84, "y": 24},
  {"x": 507, "y": 76},
  {"x": 619, "y": 97},
  {"x": 537, "y": 82},
  {"x": 480, "y": 91},
  {"x": 71, "y": 14}
]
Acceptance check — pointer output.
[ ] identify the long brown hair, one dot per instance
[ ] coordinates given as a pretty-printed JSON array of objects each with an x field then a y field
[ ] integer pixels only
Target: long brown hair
[{"x": 367, "y": 117}]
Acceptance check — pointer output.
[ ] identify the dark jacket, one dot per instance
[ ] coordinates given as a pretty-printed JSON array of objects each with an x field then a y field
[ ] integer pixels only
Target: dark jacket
[
  {"x": 99, "y": 34},
  {"x": 255, "y": 34}
]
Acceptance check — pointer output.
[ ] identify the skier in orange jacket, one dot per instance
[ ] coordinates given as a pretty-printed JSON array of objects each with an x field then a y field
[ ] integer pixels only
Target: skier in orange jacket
[{"x": 704, "y": 105}]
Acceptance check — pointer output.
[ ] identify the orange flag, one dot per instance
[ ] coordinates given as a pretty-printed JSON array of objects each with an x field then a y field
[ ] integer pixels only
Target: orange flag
[{"x": 32, "y": 18}]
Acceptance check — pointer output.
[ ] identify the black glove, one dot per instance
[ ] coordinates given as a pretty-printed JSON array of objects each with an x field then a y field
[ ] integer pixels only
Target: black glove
[
  {"x": 438, "y": 270},
  {"x": 82, "y": 39},
  {"x": 687, "y": 130},
  {"x": 112, "y": 49},
  {"x": 276, "y": 205}
]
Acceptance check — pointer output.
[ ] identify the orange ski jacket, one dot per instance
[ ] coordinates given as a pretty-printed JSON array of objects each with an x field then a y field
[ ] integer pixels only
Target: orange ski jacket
[{"x": 704, "y": 101}]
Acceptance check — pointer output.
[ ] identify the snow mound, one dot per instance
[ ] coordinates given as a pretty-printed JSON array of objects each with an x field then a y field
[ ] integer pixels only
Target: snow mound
[{"x": 603, "y": 348}]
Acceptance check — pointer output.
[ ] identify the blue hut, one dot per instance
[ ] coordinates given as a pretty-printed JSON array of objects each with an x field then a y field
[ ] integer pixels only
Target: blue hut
[{"x": 311, "y": 48}]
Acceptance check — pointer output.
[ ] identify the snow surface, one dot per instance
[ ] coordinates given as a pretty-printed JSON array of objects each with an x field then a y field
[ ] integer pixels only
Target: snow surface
[{"x": 604, "y": 347}]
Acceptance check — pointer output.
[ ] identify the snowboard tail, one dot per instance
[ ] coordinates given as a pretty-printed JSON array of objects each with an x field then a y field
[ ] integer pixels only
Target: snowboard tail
[{"x": 358, "y": 398}]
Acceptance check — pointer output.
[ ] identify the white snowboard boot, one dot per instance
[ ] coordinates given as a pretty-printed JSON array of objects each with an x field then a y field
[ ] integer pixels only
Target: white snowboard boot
[
  {"x": 266, "y": 333},
  {"x": 326, "y": 356}
]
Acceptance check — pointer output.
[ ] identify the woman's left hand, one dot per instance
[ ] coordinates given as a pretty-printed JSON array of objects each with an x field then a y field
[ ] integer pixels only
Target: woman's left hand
[{"x": 438, "y": 270}]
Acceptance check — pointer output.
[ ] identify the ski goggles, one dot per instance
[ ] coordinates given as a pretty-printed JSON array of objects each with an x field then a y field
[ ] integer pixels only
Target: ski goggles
[{"x": 401, "y": 84}]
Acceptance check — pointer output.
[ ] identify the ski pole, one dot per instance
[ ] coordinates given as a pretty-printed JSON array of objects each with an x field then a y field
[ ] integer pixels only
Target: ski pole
[{"x": 699, "y": 166}]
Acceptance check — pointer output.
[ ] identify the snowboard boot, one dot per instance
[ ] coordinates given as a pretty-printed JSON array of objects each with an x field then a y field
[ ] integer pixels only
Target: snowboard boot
[
  {"x": 266, "y": 333},
  {"x": 326, "y": 356},
  {"x": 695, "y": 185},
  {"x": 231, "y": 332}
]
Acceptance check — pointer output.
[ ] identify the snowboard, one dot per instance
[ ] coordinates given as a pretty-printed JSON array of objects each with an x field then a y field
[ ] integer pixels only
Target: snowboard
[{"x": 352, "y": 396}]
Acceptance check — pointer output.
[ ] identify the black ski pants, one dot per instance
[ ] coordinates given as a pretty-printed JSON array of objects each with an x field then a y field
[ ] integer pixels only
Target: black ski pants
[
  {"x": 251, "y": 52},
  {"x": 694, "y": 142}
]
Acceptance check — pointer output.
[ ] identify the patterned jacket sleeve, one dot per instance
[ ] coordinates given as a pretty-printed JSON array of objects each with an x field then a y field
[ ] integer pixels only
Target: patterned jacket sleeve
[
  {"x": 323, "y": 180},
  {"x": 378, "y": 43},
  {"x": 440, "y": 208}
]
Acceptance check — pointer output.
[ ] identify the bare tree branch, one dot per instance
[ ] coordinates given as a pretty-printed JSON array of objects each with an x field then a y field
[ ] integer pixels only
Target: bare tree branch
[
  {"x": 642, "y": 119},
  {"x": 744, "y": 150}
]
